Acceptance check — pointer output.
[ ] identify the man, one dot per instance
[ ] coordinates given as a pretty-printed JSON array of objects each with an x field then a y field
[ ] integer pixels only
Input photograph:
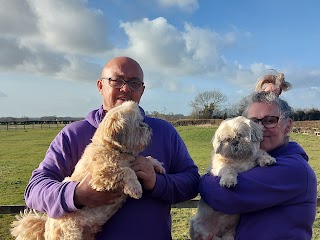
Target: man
[{"x": 147, "y": 218}]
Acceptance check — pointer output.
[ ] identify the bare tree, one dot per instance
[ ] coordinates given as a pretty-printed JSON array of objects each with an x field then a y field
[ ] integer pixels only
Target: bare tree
[
  {"x": 238, "y": 108},
  {"x": 206, "y": 103}
]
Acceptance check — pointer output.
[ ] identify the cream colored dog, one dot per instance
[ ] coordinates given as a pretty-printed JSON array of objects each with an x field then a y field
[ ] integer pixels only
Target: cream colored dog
[
  {"x": 236, "y": 146},
  {"x": 119, "y": 138}
]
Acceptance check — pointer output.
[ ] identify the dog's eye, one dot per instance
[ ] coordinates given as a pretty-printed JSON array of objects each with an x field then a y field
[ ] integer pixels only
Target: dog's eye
[
  {"x": 143, "y": 125},
  {"x": 240, "y": 135}
]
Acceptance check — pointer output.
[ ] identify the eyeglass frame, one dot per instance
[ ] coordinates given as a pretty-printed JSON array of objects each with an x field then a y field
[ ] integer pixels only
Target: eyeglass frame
[
  {"x": 125, "y": 82},
  {"x": 257, "y": 120}
]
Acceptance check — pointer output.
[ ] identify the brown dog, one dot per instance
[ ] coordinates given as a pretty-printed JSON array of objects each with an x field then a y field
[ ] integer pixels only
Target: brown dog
[{"x": 119, "y": 138}]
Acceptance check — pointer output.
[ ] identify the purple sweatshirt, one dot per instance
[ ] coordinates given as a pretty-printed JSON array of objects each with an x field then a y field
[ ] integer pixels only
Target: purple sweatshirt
[
  {"x": 146, "y": 218},
  {"x": 274, "y": 202}
]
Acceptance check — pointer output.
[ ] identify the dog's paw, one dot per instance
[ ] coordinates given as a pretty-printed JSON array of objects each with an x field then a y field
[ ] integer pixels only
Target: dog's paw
[
  {"x": 228, "y": 177},
  {"x": 157, "y": 165},
  {"x": 133, "y": 190},
  {"x": 266, "y": 160},
  {"x": 228, "y": 181}
]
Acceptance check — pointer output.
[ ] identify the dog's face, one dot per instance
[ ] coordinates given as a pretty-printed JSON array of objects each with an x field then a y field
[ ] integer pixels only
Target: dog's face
[
  {"x": 237, "y": 138},
  {"x": 123, "y": 126}
]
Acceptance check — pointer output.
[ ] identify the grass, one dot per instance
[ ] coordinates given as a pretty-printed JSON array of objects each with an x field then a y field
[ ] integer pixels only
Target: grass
[{"x": 21, "y": 151}]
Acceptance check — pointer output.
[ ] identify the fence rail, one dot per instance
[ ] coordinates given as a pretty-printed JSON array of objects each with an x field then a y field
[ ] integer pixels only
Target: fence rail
[
  {"x": 13, "y": 209},
  {"x": 32, "y": 125}
]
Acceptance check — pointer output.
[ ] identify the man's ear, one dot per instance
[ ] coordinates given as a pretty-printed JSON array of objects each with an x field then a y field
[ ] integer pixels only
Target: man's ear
[{"x": 99, "y": 86}]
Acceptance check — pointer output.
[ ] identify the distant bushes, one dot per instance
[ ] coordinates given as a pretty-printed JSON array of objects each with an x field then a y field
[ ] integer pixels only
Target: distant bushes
[
  {"x": 216, "y": 122},
  {"x": 187, "y": 122}
]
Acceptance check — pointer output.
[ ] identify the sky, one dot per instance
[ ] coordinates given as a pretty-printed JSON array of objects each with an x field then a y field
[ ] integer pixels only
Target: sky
[{"x": 53, "y": 51}]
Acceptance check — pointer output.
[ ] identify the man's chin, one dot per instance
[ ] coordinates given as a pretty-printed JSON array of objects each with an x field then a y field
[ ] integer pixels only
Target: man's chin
[{"x": 120, "y": 101}]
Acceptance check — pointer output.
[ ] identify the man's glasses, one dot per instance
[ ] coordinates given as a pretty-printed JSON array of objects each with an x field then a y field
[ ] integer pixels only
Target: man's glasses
[
  {"x": 135, "y": 84},
  {"x": 267, "y": 121}
]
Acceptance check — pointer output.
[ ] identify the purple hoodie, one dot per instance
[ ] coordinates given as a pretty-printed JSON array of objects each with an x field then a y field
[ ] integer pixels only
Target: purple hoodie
[
  {"x": 146, "y": 218},
  {"x": 274, "y": 202}
]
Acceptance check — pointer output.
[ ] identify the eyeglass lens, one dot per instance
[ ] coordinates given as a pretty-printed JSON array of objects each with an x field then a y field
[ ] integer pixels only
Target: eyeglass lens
[
  {"x": 267, "y": 121},
  {"x": 134, "y": 84}
]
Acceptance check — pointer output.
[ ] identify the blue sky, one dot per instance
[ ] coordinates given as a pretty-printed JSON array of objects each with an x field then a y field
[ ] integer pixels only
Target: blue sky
[{"x": 52, "y": 51}]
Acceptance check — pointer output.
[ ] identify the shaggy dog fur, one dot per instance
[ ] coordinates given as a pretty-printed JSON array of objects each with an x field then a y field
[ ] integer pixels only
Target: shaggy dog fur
[
  {"x": 119, "y": 138},
  {"x": 236, "y": 146}
]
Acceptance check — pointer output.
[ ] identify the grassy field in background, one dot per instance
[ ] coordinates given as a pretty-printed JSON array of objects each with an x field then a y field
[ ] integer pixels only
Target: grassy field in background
[{"x": 22, "y": 150}]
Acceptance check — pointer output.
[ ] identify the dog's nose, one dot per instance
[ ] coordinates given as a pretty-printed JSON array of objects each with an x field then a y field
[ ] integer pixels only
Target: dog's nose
[{"x": 235, "y": 142}]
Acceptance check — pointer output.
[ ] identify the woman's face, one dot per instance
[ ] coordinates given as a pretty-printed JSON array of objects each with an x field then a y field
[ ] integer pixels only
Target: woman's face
[{"x": 272, "y": 137}]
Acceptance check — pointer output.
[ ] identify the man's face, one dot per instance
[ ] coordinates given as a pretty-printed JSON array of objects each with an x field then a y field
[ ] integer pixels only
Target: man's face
[{"x": 119, "y": 68}]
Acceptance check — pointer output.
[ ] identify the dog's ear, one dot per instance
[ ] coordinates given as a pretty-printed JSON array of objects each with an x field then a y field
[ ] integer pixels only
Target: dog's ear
[
  {"x": 216, "y": 138},
  {"x": 99, "y": 134},
  {"x": 214, "y": 141},
  {"x": 109, "y": 128},
  {"x": 114, "y": 126},
  {"x": 256, "y": 131}
]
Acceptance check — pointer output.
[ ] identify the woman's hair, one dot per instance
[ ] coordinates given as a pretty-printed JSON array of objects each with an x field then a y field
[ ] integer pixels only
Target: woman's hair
[
  {"x": 275, "y": 78},
  {"x": 271, "y": 98}
]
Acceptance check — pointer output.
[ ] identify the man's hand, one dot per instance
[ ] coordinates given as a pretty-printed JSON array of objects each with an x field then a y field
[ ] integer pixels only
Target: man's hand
[
  {"x": 85, "y": 195},
  {"x": 145, "y": 171}
]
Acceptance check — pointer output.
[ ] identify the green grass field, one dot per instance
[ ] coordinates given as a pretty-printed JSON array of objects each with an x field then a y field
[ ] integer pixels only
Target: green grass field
[{"x": 22, "y": 150}]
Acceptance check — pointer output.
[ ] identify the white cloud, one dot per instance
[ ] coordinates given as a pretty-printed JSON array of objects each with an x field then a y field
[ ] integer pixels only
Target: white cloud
[
  {"x": 17, "y": 18},
  {"x": 161, "y": 44},
  {"x": 80, "y": 69},
  {"x": 62, "y": 33},
  {"x": 54, "y": 37},
  {"x": 169, "y": 54},
  {"x": 69, "y": 27},
  {"x": 184, "y": 5}
]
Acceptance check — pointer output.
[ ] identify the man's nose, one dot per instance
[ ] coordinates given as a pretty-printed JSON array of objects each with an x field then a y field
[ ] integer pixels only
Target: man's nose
[{"x": 125, "y": 88}]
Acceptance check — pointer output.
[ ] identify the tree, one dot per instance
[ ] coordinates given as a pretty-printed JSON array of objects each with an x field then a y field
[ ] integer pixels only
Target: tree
[
  {"x": 206, "y": 103},
  {"x": 239, "y": 107},
  {"x": 300, "y": 115}
]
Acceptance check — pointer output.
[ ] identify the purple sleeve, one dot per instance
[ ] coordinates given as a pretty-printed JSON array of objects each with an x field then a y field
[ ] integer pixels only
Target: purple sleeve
[
  {"x": 180, "y": 183},
  {"x": 289, "y": 181},
  {"x": 45, "y": 191}
]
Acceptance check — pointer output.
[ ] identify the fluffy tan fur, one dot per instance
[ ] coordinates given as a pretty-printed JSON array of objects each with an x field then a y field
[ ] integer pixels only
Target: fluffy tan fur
[
  {"x": 236, "y": 146},
  {"x": 119, "y": 138},
  {"x": 272, "y": 82}
]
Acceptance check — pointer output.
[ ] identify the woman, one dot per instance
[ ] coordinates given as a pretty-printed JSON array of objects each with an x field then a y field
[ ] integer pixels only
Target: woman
[{"x": 274, "y": 202}]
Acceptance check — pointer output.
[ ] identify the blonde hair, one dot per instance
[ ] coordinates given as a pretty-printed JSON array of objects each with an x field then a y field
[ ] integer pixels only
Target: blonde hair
[{"x": 274, "y": 78}]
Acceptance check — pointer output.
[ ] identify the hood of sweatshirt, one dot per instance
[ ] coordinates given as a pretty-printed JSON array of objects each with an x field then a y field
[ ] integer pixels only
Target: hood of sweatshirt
[
  {"x": 289, "y": 149},
  {"x": 95, "y": 117}
]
